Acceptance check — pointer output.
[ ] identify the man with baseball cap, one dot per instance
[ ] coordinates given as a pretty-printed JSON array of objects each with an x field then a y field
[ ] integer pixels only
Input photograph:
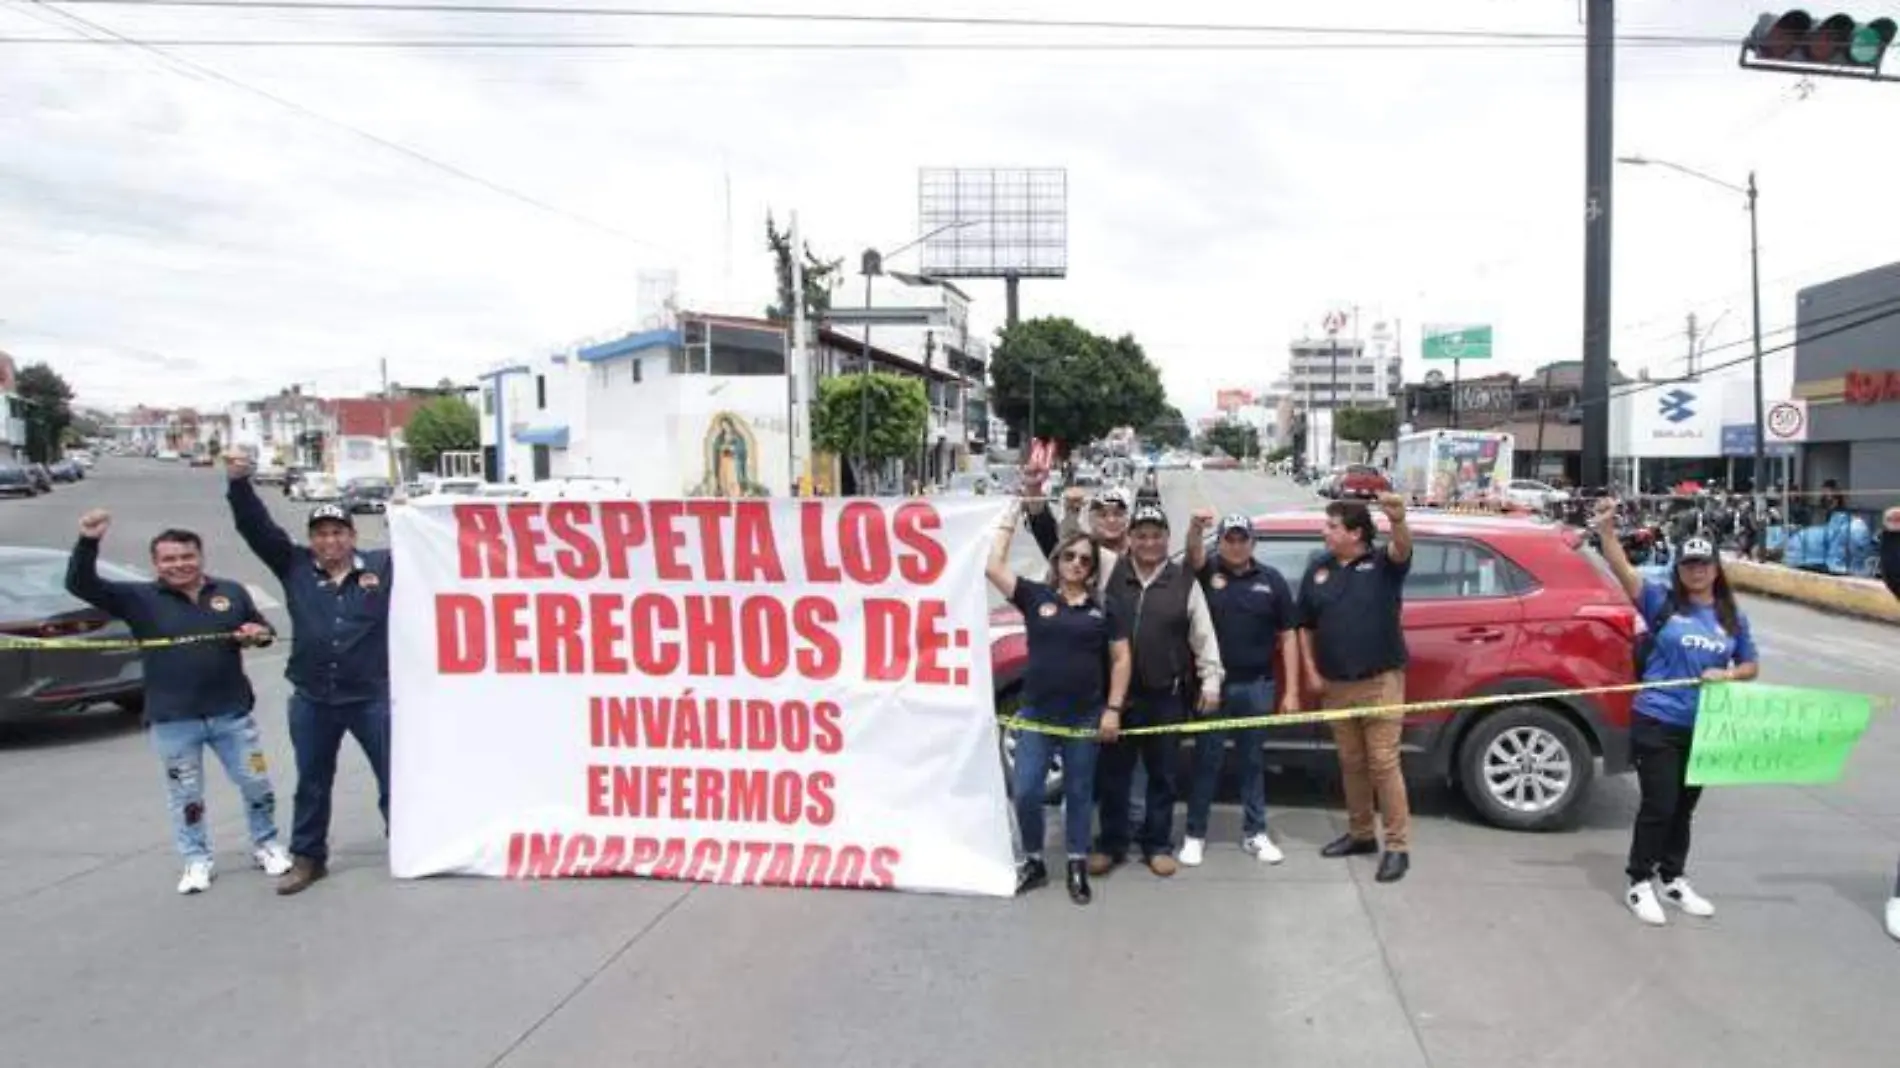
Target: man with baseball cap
[
  {"x": 1172, "y": 644},
  {"x": 338, "y": 598},
  {"x": 1108, "y": 522}
]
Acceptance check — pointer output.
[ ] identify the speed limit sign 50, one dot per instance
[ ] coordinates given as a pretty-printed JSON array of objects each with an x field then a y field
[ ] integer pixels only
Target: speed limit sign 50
[{"x": 1787, "y": 421}]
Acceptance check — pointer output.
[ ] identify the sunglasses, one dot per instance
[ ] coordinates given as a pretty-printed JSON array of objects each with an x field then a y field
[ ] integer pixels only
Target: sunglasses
[{"x": 1077, "y": 557}]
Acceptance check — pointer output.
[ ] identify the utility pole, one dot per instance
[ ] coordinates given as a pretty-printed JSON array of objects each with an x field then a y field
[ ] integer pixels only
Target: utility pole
[
  {"x": 1692, "y": 349},
  {"x": 1600, "y": 98},
  {"x": 1754, "y": 275},
  {"x": 389, "y": 439},
  {"x": 795, "y": 374}
]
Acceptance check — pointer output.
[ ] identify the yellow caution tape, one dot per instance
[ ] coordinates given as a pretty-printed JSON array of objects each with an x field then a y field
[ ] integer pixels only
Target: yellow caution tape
[
  {"x": 110, "y": 644},
  {"x": 1290, "y": 719}
]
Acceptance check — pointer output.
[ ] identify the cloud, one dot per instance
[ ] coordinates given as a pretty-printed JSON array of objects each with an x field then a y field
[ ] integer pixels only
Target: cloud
[{"x": 1220, "y": 201}]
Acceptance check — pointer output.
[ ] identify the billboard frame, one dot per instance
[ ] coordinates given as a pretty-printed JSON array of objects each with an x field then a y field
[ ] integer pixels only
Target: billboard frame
[{"x": 997, "y": 222}]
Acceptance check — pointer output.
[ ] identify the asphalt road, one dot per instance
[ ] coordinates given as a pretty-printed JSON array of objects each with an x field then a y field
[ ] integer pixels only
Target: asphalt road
[{"x": 1499, "y": 949}]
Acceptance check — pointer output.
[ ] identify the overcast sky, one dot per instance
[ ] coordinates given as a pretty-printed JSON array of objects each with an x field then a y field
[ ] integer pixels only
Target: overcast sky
[{"x": 171, "y": 238}]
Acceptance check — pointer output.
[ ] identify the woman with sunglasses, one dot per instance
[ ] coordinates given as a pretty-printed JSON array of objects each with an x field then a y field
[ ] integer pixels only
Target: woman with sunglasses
[
  {"x": 1695, "y": 632},
  {"x": 1075, "y": 680}
]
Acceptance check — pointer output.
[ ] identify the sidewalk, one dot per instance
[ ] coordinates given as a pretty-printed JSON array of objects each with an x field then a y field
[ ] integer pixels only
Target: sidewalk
[{"x": 1861, "y": 597}]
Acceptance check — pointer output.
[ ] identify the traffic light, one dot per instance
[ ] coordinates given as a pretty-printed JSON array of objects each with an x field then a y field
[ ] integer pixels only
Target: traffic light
[{"x": 1837, "y": 46}]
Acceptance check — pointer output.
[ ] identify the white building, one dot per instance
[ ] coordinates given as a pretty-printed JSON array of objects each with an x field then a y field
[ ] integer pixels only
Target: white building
[
  {"x": 1329, "y": 373},
  {"x": 1663, "y": 431},
  {"x": 12, "y": 416},
  {"x": 696, "y": 409}
]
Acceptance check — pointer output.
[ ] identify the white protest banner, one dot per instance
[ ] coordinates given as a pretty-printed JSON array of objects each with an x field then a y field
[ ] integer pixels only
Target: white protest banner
[{"x": 780, "y": 692}]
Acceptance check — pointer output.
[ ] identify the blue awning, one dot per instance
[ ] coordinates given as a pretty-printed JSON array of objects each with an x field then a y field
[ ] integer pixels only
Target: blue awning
[
  {"x": 552, "y": 436},
  {"x": 632, "y": 343}
]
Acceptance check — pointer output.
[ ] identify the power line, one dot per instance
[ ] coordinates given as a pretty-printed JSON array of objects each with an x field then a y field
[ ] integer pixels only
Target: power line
[
  {"x": 857, "y": 19},
  {"x": 382, "y": 142},
  {"x": 556, "y": 44}
]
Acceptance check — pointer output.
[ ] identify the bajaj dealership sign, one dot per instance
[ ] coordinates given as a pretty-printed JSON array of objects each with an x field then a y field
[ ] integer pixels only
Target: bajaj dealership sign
[{"x": 1674, "y": 420}]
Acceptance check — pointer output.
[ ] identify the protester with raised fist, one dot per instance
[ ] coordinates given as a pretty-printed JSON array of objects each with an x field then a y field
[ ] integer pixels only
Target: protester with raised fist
[
  {"x": 1254, "y": 619},
  {"x": 196, "y": 692},
  {"x": 338, "y": 598},
  {"x": 1076, "y": 679},
  {"x": 1695, "y": 631},
  {"x": 1353, "y": 651}
]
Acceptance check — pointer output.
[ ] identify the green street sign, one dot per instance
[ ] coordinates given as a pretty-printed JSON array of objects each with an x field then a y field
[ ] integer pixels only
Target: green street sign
[{"x": 1457, "y": 342}]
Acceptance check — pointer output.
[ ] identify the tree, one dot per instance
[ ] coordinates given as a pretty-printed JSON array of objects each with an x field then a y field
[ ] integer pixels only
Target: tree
[
  {"x": 898, "y": 413},
  {"x": 1084, "y": 384},
  {"x": 1280, "y": 455},
  {"x": 1368, "y": 427},
  {"x": 1169, "y": 430},
  {"x": 48, "y": 410},
  {"x": 820, "y": 276},
  {"x": 445, "y": 424},
  {"x": 1239, "y": 440}
]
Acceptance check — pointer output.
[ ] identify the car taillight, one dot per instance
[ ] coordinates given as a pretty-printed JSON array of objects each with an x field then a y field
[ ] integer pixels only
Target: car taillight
[
  {"x": 1623, "y": 617},
  {"x": 44, "y": 629}
]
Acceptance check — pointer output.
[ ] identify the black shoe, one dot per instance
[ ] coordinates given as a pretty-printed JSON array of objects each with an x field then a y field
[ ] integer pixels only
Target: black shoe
[
  {"x": 1393, "y": 866},
  {"x": 1079, "y": 882},
  {"x": 1031, "y": 874},
  {"x": 1348, "y": 846}
]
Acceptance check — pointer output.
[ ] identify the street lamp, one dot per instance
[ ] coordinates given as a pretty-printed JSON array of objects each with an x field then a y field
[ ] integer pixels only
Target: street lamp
[
  {"x": 1754, "y": 270},
  {"x": 871, "y": 264}
]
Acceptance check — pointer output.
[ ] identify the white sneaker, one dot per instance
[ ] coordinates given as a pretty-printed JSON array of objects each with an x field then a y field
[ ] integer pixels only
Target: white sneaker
[
  {"x": 1893, "y": 917},
  {"x": 197, "y": 878},
  {"x": 1680, "y": 894},
  {"x": 1263, "y": 848},
  {"x": 1191, "y": 852},
  {"x": 272, "y": 857},
  {"x": 1641, "y": 899}
]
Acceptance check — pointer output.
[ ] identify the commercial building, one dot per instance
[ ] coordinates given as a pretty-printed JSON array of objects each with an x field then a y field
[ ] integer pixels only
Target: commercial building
[
  {"x": 1325, "y": 374},
  {"x": 1543, "y": 411},
  {"x": 1847, "y": 369}
]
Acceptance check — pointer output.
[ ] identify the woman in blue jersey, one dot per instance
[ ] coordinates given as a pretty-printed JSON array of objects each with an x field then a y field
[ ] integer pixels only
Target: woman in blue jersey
[{"x": 1695, "y": 631}]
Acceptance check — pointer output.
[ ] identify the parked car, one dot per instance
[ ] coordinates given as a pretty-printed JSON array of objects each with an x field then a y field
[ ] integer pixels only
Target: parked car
[
  {"x": 315, "y": 486},
  {"x": 65, "y": 471},
  {"x": 367, "y": 495},
  {"x": 41, "y": 476},
  {"x": 1362, "y": 482},
  {"x": 270, "y": 474},
  {"x": 201, "y": 459},
  {"x": 83, "y": 457},
  {"x": 1494, "y": 606},
  {"x": 446, "y": 487},
  {"x": 16, "y": 482},
  {"x": 34, "y": 605},
  {"x": 1532, "y": 494}
]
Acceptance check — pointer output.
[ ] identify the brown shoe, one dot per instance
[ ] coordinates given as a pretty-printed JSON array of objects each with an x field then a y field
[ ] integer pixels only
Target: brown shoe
[
  {"x": 1163, "y": 865},
  {"x": 303, "y": 871},
  {"x": 1101, "y": 864}
]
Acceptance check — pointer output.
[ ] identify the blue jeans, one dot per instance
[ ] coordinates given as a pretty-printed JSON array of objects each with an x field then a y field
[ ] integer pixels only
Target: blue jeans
[
  {"x": 316, "y": 731},
  {"x": 1237, "y": 699},
  {"x": 1157, "y": 754},
  {"x": 1034, "y": 751},
  {"x": 181, "y": 748}
]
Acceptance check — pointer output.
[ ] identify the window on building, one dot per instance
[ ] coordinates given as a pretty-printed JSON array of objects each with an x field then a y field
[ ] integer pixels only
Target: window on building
[
  {"x": 743, "y": 351},
  {"x": 488, "y": 401},
  {"x": 541, "y": 391},
  {"x": 637, "y": 372}
]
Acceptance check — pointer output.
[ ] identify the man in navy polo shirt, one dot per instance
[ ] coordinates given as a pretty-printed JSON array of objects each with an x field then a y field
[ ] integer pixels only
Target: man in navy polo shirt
[
  {"x": 339, "y": 658},
  {"x": 196, "y": 692},
  {"x": 1254, "y": 619}
]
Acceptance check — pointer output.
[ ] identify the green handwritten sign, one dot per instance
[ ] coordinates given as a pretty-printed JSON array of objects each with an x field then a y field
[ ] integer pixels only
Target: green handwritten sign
[{"x": 1749, "y": 733}]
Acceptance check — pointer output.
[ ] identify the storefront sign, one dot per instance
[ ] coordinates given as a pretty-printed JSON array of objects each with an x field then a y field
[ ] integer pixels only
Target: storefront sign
[
  {"x": 1872, "y": 387},
  {"x": 1739, "y": 441}
]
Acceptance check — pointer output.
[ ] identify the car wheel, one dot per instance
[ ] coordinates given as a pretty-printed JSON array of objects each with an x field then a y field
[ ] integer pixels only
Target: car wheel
[
  {"x": 1007, "y": 703},
  {"x": 1526, "y": 768}
]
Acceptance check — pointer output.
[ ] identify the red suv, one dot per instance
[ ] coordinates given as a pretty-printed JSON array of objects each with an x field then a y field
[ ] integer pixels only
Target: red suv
[{"x": 1494, "y": 606}]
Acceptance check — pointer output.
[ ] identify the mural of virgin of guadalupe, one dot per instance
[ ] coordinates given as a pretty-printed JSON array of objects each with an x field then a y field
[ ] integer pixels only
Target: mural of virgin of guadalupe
[{"x": 728, "y": 457}]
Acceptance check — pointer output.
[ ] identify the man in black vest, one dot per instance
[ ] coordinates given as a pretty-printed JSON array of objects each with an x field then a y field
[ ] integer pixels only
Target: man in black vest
[{"x": 1173, "y": 645}]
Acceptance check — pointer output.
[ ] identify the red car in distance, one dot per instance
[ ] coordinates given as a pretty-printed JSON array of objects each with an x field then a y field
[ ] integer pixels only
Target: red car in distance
[
  {"x": 1362, "y": 481},
  {"x": 1494, "y": 606}
]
